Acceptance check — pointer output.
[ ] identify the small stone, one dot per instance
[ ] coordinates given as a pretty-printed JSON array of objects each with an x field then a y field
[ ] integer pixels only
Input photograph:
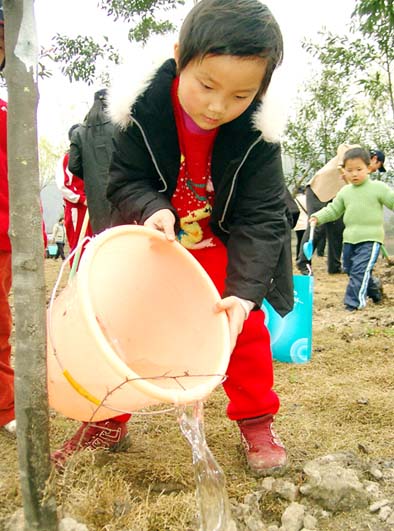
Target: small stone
[
  {"x": 384, "y": 513},
  {"x": 372, "y": 489},
  {"x": 374, "y": 508},
  {"x": 253, "y": 498},
  {"x": 324, "y": 514},
  {"x": 293, "y": 517},
  {"x": 310, "y": 522},
  {"x": 69, "y": 524},
  {"x": 376, "y": 472},
  {"x": 253, "y": 523},
  {"x": 390, "y": 519},
  {"x": 332, "y": 486},
  {"x": 268, "y": 483},
  {"x": 285, "y": 489},
  {"x": 363, "y": 401},
  {"x": 388, "y": 474}
]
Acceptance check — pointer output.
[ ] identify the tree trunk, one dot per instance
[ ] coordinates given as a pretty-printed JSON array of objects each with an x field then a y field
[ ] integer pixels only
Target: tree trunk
[{"x": 28, "y": 268}]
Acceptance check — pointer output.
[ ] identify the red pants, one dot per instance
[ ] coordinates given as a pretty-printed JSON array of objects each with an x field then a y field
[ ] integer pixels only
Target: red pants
[
  {"x": 7, "y": 412},
  {"x": 250, "y": 373}
]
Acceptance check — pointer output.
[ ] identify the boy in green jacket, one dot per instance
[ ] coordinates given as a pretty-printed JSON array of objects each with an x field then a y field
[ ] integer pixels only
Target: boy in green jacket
[{"x": 361, "y": 202}]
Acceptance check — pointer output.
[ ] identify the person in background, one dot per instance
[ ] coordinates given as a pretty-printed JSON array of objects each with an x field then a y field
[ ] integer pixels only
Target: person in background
[
  {"x": 89, "y": 157},
  {"x": 377, "y": 161},
  {"x": 7, "y": 412},
  {"x": 361, "y": 203},
  {"x": 321, "y": 245},
  {"x": 302, "y": 221},
  {"x": 59, "y": 237},
  {"x": 7, "y": 407},
  {"x": 320, "y": 191},
  {"x": 75, "y": 204}
]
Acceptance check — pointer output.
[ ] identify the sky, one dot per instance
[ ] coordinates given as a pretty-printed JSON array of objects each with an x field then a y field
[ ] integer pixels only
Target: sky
[{"x": 63, "y": 103}]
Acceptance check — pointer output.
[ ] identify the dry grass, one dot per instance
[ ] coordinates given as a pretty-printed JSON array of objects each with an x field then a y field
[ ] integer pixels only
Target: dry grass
[{"x": 342, "y": 400}]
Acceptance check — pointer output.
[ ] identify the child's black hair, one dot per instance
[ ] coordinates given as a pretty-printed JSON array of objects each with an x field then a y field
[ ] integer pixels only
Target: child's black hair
[
  {"x": 357, "y": 153},
  {"x": 243, "y": 28}
]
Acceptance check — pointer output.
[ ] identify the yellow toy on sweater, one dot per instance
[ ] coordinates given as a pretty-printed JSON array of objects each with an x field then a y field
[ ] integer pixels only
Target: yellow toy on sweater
[{"x": 191, "y": 232}]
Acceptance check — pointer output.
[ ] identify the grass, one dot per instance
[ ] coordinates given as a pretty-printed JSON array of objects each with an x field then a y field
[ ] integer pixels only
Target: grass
[{"x": 342, "y": 400}]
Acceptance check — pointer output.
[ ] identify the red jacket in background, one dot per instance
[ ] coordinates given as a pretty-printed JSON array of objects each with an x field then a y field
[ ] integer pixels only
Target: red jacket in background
[
  {"x": 72, "y": 189},
  {"x": 5, "y": 244}
]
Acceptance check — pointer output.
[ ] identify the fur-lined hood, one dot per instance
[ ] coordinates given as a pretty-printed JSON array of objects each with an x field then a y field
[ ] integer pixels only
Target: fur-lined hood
[{"x": 269, "y": 118}]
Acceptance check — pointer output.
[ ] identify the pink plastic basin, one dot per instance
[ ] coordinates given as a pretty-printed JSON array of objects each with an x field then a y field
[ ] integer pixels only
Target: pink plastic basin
[{"x": 135, "y": 327}]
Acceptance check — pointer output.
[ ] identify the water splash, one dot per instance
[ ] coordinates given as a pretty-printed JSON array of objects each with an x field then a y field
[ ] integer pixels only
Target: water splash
[{"x": 212, "y": 499}]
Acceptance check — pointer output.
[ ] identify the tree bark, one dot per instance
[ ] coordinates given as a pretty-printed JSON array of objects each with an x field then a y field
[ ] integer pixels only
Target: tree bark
[{"x": 28, "y": 268}]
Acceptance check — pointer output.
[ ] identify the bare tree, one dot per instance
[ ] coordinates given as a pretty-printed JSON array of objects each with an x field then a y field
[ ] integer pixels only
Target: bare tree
[{"x": 28, "y": 268}]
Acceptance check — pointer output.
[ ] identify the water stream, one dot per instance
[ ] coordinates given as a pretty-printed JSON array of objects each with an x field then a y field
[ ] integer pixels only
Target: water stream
[{"x": 212, "y": 500}]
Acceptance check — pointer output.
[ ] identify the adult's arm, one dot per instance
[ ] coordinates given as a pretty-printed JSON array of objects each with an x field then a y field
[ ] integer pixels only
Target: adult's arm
[{"x": 75, "y": 162}]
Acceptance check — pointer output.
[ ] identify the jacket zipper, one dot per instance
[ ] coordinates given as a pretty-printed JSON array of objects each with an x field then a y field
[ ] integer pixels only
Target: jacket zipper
[
  {"x": 221, "y": 220},
  {"x": 152, "y": 155}
]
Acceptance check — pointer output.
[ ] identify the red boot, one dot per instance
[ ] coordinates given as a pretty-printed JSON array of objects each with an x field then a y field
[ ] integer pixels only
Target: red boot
[
  {"x": 107, "y": 434},
  {"x": 264, "y": 451}
]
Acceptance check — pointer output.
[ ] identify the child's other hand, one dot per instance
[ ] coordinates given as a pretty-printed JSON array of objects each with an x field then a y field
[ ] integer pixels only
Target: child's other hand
[
  {"x": 164, "y": 221},
  {"x": 236, "y": 316}
]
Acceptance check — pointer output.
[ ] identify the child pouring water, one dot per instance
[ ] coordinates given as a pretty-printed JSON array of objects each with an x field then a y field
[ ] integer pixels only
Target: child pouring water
[
  {"x": 193, "y": 159},
  {"x": 361, "y": 202}
]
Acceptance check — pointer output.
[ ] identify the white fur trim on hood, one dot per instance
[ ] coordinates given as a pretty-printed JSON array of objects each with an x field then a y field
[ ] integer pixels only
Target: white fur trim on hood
[
  {"x": 124, "y": 91},
  {"x": 270, "y": 118}
]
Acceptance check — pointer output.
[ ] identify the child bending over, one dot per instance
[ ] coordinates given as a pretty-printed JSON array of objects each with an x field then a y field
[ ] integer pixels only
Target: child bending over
[{"x": 191, "y": 160}]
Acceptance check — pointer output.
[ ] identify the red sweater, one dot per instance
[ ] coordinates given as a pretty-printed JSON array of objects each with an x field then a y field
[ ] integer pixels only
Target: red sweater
[{"x": 194, "y": 195}]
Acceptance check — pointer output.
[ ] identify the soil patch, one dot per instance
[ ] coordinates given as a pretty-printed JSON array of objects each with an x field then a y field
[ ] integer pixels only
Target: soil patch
[{"x": 341, "y": 401}]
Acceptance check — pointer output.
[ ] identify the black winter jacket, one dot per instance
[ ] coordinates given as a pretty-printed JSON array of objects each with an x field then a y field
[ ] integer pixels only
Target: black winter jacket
[
  {"x": 90, "y": 155},
  {"x": 249, "y": 213}
]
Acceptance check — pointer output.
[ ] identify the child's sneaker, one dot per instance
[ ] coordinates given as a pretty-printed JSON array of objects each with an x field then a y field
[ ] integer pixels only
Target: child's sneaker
[
  {"x": 264, "y": 451},
  {"x": 107, "y": 434},
  {"x": 10, "y": 427}
]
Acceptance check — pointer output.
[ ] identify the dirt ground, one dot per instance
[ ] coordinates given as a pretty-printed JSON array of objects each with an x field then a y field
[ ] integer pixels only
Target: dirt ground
[{"x": 343, "y": 399}]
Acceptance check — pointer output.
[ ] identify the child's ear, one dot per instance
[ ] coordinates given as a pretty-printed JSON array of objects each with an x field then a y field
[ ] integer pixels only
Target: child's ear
[{"x": 176, "y": 53}]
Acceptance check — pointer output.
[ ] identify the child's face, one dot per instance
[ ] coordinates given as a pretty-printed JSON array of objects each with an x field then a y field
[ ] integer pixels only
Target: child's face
[
  {"x": 375, "y": 164},
  {"x": 219, "y": 88},
  {"x": 355, "y": 171}
]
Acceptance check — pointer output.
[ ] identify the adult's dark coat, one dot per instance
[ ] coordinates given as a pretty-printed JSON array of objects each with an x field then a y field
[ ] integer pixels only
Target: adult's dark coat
[{"x": 90, "y": 155}]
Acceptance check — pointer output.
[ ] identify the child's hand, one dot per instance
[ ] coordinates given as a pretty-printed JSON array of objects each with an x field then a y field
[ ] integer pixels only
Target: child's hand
[
  {"x": 313, "y": 220},
  {"x": 163, "y": 220},
  {"x": 236, "y": 316}
]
